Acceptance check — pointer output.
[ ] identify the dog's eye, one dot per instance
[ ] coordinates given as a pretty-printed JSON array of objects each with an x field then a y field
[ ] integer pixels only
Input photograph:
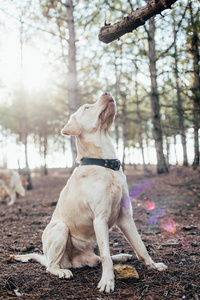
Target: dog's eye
[{"x": 86, "y": 107}]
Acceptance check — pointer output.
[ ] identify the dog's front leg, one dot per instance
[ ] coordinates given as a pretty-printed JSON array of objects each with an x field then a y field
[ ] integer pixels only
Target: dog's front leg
[
  {"x": 12, "y": 198},
  {"x": 101, "y": 230},
  {"x": 127, "y": 226}
]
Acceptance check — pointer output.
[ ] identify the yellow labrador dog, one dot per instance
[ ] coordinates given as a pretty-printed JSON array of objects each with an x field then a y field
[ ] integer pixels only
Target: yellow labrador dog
[{"x": 94, "y": 199}]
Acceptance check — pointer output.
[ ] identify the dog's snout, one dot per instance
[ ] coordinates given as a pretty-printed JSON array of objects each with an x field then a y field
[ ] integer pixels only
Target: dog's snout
[{"x": 106, "y": 95}]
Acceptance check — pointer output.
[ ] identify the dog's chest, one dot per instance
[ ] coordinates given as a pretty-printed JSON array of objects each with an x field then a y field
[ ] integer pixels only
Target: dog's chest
[
  {"x": 92, "y": 191},
  {"x": 102, "y": 190}
]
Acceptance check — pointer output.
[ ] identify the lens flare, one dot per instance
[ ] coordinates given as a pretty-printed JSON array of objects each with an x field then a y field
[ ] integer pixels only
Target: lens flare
[
  {"x": 135, "y": 191},
  {"x": 159, "y": 214},
  {"x": 150, "y": 205},
  {"x": 168, "y": 224},
  {"x": 126, "y": 202}
]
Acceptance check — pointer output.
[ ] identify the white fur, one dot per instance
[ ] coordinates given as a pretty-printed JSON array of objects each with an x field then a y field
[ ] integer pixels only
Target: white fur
[
  {"x": 10, "y": 185},
  {"x": 93, "y": 200}
]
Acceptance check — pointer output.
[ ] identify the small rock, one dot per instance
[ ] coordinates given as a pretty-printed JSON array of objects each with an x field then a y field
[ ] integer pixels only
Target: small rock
[
  {"x": 54, "y": 203},
  {"x": 30, "y": 247},
  {"x": 23, "y": 249},
  {"x": 17, "y": 293},
  {"x": 160, "y": 247},
  {"x": 125, "y": 272}
]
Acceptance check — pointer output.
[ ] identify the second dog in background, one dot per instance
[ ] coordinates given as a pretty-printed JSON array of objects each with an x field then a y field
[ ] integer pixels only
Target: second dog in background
[{"x": 10, "y": 185}]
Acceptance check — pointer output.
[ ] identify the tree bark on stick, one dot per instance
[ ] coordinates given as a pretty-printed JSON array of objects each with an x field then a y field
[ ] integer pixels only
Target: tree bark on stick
[{"x": 109, "y": 32}]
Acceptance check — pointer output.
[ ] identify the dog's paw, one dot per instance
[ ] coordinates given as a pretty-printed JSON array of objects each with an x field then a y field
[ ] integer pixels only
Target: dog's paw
[
  {"x": 106, "y": 285},
  {"x": 65, "y": 273},
  {"x": 22, "y": 258},
  {"x": 61, "y": 273},
  {"x": 158, "y": 266},
  {"x": 10, "y": 203}
]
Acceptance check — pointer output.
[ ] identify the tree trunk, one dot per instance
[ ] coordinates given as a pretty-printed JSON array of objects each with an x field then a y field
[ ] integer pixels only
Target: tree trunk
[
  {"x": 45, "y": 150},
  {"x": 117, "y": 90},
  {"x": 155, "y": 106},
  {"x": 168, "y": 149},
  {"x": 175, "y": 152},
  {"x": 124, "y": 123},
  {"x": 24, "y": 124},
  {"x": 74, "y": 102},
  {"x": 180, "y": 106},
  {"x": 139, "y": 121},
  {"x": 196, "y": 83}
]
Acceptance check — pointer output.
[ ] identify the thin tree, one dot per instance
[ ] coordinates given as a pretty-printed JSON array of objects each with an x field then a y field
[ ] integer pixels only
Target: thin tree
[
  {"x": 180, "y": 110},
  {"x": 139, "y": 118},
  {"x": 74, "y": 102},
  {"x": 65, "y": 17},
  {"x": 194, "y": 29},
  {"x": 155, "y": 105},
  {"x": 24, "y": 125}
]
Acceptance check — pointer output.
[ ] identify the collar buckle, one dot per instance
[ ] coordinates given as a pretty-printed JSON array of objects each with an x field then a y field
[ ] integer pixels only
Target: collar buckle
[{"x": 115, "y": 165}]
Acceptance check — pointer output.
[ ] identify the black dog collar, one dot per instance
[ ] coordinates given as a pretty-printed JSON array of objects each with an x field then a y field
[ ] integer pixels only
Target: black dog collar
[{"x": 113, "y": 164}]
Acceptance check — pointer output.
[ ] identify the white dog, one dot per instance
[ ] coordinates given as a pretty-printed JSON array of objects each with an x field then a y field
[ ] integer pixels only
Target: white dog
[
  {"x": 10, "y": 185},
  {"x": 94, "y": 199}
]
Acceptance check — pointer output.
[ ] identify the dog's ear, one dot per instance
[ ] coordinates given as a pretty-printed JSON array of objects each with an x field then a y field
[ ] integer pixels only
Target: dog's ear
[{"x": 72, "y": 127}]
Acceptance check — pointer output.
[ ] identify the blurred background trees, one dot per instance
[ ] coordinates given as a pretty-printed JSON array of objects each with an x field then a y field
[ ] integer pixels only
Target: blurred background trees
[{"x": 52, "y": 62}]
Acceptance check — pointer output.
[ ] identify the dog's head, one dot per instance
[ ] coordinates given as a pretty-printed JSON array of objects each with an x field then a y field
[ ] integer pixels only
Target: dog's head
[{"x": 91, "y": 118}]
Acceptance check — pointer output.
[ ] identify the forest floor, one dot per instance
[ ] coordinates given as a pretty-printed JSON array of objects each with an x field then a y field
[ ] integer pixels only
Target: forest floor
[{"x": 176, "y": 196}]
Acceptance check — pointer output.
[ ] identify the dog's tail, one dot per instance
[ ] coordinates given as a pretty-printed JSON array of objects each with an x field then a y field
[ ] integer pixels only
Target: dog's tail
[{"x": 26, "y": 257}]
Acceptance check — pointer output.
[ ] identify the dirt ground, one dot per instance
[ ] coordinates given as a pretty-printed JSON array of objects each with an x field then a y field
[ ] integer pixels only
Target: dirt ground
[{"x": 176, "y": 197}]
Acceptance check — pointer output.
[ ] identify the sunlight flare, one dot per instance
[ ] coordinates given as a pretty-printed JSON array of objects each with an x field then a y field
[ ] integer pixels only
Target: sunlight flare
[
  {"x": 150, "y": 205},
  {"x": 168, "y": 224},
  {"x": 34, "y": 71}
]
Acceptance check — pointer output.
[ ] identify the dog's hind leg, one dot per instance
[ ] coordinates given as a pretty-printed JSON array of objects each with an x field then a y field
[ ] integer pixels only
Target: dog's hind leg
[
  {"x": 27, "y": 257},
  {"x": 54, "y": 245},
  {"x": 85, "y": 258}
]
